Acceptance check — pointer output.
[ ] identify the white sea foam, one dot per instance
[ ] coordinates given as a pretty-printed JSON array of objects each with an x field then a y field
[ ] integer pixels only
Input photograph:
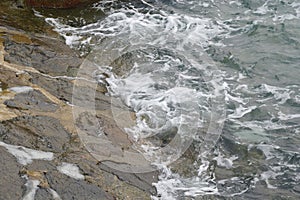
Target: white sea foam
[
  {"x": 268, "y": 175},
  {"x": 283, "y": 116},
  {"x": 241, "y": 111},
  {"x": 155, "y": 89},
  {"x": 225, "y": 162},
  {"x": 268, "y": 150},
  {"x": 281, "y": 94},
  {"x": 289, "y": 16},
  {"x": 171, "y": 185},
  {"x": 70, "y": 170},
  {"x": 262, "y": 9},
  {"x": 162, "y": 99},
  {"x": 25, "y": 155}
]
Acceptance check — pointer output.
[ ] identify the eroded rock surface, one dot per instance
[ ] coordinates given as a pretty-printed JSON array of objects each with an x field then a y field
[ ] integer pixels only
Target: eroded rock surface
[
  {"x": 10, "y": 183},
  {"x": 47, "y": 55},
  {"x": 41, "y": 118},
  {"x": 36, "y": 132},
  {"x": 32, "y": 100}
]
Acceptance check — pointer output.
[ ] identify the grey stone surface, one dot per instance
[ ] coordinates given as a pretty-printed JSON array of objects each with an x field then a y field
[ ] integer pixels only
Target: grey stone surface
[
  {"x": 11, "y": 184},
  {"x": 141, "y": 180},
  {"x": 32, "y": 100},
  {"x": 43, "y": 194},
  {"x": 69, "y": 188},
  {"x": 61, "y": 88},
  {"x": 46, "y": 55},
  {"x": 36, "y": 132}
]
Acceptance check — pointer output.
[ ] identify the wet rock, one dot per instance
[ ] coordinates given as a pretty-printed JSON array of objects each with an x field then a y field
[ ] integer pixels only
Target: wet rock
[
  {"x": 61, "y": 88},
  {"x": 297, "y": 189},
  {"x": 43, "y": 194},
  {"x": 261, "y": 191},
  {"x": 10, "y": 78},
  {"x": 11, "y": 184},
  {"x": 64, "y": 186},
  {"x": 141, "y": 180},
  {"x": 32, "y": 100},
  {"x": 57, "y": 3},
  {"x": 83, "y": 96},
  {"x": 36, "y": 132},
  {"x": 206, "y": 197},
  {"x": 123, "y": 64},
  {"x": 14, "y": 16},
  {"x": 48, "y": 65},
  {"x": 106, "y": 180},
  {"x": 47, "y": 55},
  {"x": 74, "y": 16},
  {"x": 185, "y": 165},
  {"x": 257, "y": 114},
  {"x": 69, "y": 188}
]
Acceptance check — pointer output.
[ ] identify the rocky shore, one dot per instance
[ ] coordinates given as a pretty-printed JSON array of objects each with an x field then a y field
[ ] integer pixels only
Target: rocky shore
[{"x": 42, "y": 155}]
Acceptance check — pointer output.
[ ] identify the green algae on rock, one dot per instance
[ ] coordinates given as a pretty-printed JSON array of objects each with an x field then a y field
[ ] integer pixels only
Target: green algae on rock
[
  {"x": 57, "y": 3},
  {"x": 18, "y": 18}
]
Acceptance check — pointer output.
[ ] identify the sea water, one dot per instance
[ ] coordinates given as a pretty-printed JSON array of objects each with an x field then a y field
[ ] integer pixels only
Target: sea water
[{"x": 223, "y": 76}]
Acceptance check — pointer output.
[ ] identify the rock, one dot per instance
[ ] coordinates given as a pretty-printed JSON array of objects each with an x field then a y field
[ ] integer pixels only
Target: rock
[
  {"x": 57, "y": 3},
  {"x": 297, "y": 188},
  {"x": 47, "y": 55},
  {"x": 119, "y": 188},
  {"x": 11, "y": 184},
  {"x": 10, "y": 78},
  {"x": 43, "y": 194},
  {"x": 13, "y": 17},
  {"x": 69, "y": 188},
  {"x": 32, "y": 100},
  {"x": 64, "y": 186},
  {"x": 141, "y": 180},
  {"x": 40, "y": 118},
  {"x": 61, "y": 88},
  {"x": 35, "y": 132},
  {"x": 3, "y": 86}
]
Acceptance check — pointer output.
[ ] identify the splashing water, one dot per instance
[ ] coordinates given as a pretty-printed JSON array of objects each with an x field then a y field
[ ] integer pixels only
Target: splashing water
[{"x": 179, "y": 65}]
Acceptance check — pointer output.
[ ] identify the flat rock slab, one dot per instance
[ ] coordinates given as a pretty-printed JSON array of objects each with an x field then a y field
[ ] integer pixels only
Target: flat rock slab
[
  {"x": 141, "y": 180},
  {"x": 47, "y": 55},
  {"x": 36, "y": 132},
  {"x": 11, "y": 184},
  {"x": 69, "y": 188},
  {"x": 61, "y": 88},
  {"x": 32, "y": 100},
  {"x": 65, "y": 186}
]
